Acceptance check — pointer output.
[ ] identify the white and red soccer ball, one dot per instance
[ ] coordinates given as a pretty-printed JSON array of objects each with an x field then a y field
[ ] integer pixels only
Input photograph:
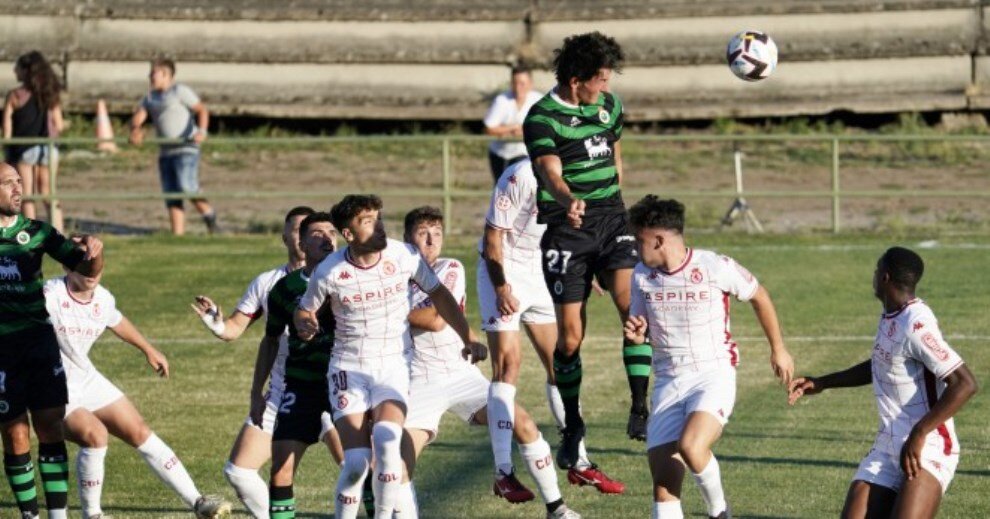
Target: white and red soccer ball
[{"x": 752, "y": 55}]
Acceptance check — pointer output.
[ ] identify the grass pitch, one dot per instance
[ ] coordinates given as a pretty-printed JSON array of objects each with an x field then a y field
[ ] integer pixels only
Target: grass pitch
[{"x": 777, "y": 461}]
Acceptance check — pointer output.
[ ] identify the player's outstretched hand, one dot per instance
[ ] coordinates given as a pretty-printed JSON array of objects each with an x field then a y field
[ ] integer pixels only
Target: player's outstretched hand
[
  {"x": 575, "y": 213},
  {"x": 507, "y": 303},
  {"x": 911, "y": 454},
  {"x": 635, "y": 329},
  {"x": 474, "y": 352},
  {"x": 158, "y": 362},
  {"x": 802, "y": 386},
  {"x": 783, "y": 365},
  {"x": 306, "y": 325},
  {"x": 210, "y": 313}
]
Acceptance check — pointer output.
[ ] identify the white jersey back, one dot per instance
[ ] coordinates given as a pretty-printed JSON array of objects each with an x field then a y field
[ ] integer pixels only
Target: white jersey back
[
  {"x": 79, "y": 324},
  {"x": 370, "y": 304},
  {"x": 910, "y": 362},
  {"x": 439, "y": 353},
  {"x": 254, "y": 304},
  {"x": 688, "y": 311},
  {"x": 513, "y": 209}
]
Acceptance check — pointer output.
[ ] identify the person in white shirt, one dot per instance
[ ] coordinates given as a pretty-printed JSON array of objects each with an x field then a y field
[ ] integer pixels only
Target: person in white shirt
[
  {"x": 680, "y": 299},
  {"x": 366, "y": 286},
  {"x": 443, "y": 381},
  {"x": 504, "y": 120},
  {"x": 511, "y": 290},
  {"x": 920, "y": 383},
  {"x": 80, "y": 309}
]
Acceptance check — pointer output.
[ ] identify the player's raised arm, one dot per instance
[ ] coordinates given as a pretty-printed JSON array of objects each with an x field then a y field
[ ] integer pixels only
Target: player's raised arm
[
  {"x": 228, "y": 329},
  {"x": 129, "y": 333},
  {"x": 858, "y": 375},
  {"x": 551, "y": 172},
  {"x": 780, "y": 359}
]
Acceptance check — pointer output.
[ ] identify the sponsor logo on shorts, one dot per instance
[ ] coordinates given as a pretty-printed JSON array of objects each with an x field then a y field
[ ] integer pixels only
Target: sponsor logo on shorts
[
  {"x": 624, "y": 237},
  {"x": 4, "y": 406},
  {"x": 696, "y": 276},
  {"x": 342, "y": 402},
  {"x": 558, "y": 287},
  {"x": 932, "y": 344}
]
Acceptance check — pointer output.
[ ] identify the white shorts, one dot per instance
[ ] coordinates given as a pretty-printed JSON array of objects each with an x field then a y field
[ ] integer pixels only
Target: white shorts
[
  {"x": 675, "y": 398},
  {"x": 273, "y": 399},
  {"x": 883, "y": 469},
  {"x": 535, "y": 304},
  {"x": 465, "y": 393},
  {"x": 354, "y": 391},
  {"x": 92, "y": 393}
]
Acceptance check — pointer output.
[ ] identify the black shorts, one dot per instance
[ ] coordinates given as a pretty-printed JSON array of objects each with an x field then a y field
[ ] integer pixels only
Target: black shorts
[
  {"x": 300, "y": 414},
  {"x": 571, "y": 257},
  {"x": 31, "y": 373}
]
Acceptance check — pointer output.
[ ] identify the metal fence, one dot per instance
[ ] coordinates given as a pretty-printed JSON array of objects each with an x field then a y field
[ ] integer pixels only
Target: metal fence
[{"x": 444, "y": 143}]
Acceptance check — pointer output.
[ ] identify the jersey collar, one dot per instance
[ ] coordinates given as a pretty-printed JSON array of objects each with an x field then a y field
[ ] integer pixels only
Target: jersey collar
[
  {"x": 895, "y": 313},
  {"x": 687, "y": 259}
]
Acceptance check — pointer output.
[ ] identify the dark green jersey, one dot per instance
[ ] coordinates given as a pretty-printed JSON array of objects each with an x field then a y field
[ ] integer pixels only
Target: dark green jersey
[
  {"x": 307, "y": 361},
  {"x": 22, "y": 248},
  {"x": 584, "y": 138}
]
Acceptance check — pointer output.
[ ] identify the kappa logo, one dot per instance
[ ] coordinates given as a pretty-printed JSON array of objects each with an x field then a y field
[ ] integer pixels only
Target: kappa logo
[
  {"x": 597, "y": 147},
  {"x": 344, "y": 275},
  {"x": 9, "y": 270},
  {"x": 512, "y": 179},
  {"x": 696, "y": 276},
  {"x": 918, "y": 325}
]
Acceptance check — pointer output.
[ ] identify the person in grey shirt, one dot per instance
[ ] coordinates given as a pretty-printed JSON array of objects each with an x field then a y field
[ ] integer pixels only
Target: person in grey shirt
[{"x": 172, "y": 107}]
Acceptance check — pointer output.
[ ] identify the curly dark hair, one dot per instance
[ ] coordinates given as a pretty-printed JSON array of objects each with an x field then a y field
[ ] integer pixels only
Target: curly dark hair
[
  {"x": 652, "y": 212},
  {"x": 904, "y": 266},
  {"x": 583, "y": 55},
  {"x": 425, "y": 214},
  {"x": 40, "y": 78},
  {"x": 352, "y": 205}
]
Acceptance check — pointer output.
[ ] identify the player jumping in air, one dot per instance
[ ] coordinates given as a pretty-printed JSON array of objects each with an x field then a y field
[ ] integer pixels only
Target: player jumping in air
[
  {"x": 366, "y": 286},
  {"x": 680, "y": 297},
  {"x": 572, "y": 136},
  {"x": 920, "y": 383},
  {"x": 81, "y": 309},
  {"x": 443, "y": 381}
]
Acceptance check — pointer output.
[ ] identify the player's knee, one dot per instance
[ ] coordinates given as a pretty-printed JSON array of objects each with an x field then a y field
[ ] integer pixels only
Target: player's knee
[
  {"x": 356, "y": 464},
  {"x": 694, "y": 452},
  {"x": 93, "y": 437},
  {"x": 137, "y": 435},
  {"x": 525, "y": 428},
  {"x": 570, "y": 341}
]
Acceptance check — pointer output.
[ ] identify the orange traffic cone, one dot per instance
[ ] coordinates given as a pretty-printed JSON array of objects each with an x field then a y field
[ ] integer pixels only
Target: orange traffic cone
[{"x": 104, "y": 130}]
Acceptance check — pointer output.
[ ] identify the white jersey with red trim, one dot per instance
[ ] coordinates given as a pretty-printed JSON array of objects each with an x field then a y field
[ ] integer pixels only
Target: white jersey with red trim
[
  {"x": 513, "y": 209},
  {"x": 370, "y": 304},
  {"x": 688, "y": 311},
  {"x": 439, "y": 353},
  {"x": 254, "y": 304},
  {"x": 78, "y": 324},
  {"x": 910, "y": 362}
]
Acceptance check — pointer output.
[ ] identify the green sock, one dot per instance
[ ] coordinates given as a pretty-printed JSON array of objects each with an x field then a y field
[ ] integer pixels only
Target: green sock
[
  {"x": 638, "y": 359},
  {"x": 20, "y": 474},
  {"x": 53, "y": 461},
  {"x": 567, "y": 371},
  {"x": 281, "y": 503}
]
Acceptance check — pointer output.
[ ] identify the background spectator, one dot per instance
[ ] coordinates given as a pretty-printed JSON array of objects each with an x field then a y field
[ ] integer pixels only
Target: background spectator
[{"x": 504, "y": 120}]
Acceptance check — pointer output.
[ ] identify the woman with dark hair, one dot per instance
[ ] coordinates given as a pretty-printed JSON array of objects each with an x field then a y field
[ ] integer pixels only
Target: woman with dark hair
[{"x": 33, "y": 109}]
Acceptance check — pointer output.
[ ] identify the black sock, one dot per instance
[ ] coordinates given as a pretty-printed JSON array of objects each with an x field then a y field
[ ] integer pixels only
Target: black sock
[
  {"x": 567, "y": 371},
  {"x": 553, "y": 506},
  {"x": 637, "y": 359},
  {"x": 20, "y": 475},
  {"x": 53, "y": 460},
  {"x": 281, "y": 502}
]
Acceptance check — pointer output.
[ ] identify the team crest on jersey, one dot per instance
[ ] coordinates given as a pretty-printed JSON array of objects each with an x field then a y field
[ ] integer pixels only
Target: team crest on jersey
[
  {"x": 97, "y": 310},
  {"x": 932, "y": 344},
  {"x": 450, "y": 279},
  {"x": 388, "y": 268},
  {"x": 604, "y": 116},
  {"x": 696, "y": 276},
  {"x": 597, "y": 147},
  {"x": 892, "y": 329},
  {"x": 9, "y": 270},
  {"x": 503, "y": 203},
  {"x": 23, "y": 237}
]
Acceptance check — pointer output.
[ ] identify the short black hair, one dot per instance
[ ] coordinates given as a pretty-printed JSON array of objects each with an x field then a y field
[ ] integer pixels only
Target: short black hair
[
  {"x": 350, "y": 206},
  {"x": 583, "y": 55},
  {"x": 521, "y": 68},
  {"x": 299, "y": 210},
  {"x": 904, "y": 266},
  {"x": 427, "y": 213},
  {"x": 652, "y": 212},
  {"x": 314, "y": 217}
]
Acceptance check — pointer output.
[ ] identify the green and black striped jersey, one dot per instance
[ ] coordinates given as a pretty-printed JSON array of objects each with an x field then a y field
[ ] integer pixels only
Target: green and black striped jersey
[
  {"x": 584, "y": 138},
  {"x": 307, "y": 361},
  {"x": 22, "y": 248}
]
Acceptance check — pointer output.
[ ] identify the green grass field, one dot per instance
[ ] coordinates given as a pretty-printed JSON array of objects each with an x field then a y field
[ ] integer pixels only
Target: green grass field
[{"x": 777, "y": 461}]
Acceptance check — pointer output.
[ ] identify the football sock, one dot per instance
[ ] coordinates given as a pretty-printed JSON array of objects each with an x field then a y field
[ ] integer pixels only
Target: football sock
[
  {"x": 20, "y": 474},
  {"x": 368, "y": 498},
  {"x": 557, "y": 410},
  {"x": 89, "y": 473},
  {"x": 709, "y": 481},
  {"x": 539, "y": 462},
  {"x": 386, "y": 438},
  {"x": 667, "y": 510},
  {"x": 352, "y": 475},
  {"x": 166, "y": 465},
  {"x": 407, "y": 507},
  {"x": 53, "y": 462},
  {"x": 250, "y": 487},
  {"x": 637, "y": 358},
  {"x": 501, "y": 418},
  {"x": 283, "y": 503},
  {"x": 567, "y": 371}
]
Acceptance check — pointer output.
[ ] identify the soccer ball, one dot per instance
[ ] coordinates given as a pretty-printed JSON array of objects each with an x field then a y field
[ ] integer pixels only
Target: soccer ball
[{"x": 752, "y": 55}]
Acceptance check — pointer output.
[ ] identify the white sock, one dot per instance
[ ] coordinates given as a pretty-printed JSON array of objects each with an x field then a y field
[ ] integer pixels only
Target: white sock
[
  {"x": 250, "y": 487},
  {"x": 387, "y": 438},
  {"x": 556, "y": 405},
  {"x": 709, "y": 481},
  {"x": 407, "y": 507},
  {"x": 351, "y": 481},
  {"x": 166, "y": 465},
  {"x": 667, "y": 510},
  {"x": 89, "y": 474},
  {"x": 57, "y": 513},
  {"x": 539, "y": 463},
  {"x": 501, "y": 419}
]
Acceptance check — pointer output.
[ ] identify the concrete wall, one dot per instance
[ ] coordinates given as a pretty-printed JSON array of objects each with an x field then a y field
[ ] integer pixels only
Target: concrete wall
[{"x": 444, "y": 59}]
